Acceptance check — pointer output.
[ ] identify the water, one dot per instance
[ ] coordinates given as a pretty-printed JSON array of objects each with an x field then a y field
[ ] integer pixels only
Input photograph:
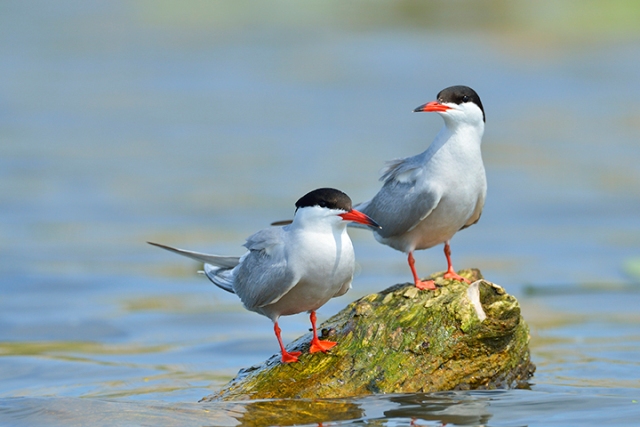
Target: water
[{"x": 197, "y": 124}]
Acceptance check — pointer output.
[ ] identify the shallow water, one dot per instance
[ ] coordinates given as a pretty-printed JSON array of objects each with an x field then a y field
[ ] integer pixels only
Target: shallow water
[
  {"x": 496, "y": 408},
  {"x": 196, "y": 125}
]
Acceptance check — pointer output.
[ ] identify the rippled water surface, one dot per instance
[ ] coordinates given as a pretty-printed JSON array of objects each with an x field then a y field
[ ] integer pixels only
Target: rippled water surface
[{"x": 196, "y": 124}]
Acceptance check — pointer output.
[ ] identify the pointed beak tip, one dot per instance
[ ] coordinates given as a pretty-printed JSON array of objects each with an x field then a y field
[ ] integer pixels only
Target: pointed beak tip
[{"x": 372, "y": 223}]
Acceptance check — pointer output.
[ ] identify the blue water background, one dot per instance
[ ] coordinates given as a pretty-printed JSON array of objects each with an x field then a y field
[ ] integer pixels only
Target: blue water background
[{"x": 197, "y": 123}]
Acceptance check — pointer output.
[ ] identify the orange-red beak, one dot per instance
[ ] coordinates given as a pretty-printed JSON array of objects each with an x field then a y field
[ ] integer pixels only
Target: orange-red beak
[
  {"x": 357, "y": 216},
  {"x": 433, "y": 106}
]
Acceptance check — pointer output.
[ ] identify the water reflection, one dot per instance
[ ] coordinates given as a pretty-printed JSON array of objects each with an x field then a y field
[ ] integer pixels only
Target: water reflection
[
  {"x": 297, "y": 412},
  {"x": 445, "y": 408},
  {"x": 550, "y": 407}
]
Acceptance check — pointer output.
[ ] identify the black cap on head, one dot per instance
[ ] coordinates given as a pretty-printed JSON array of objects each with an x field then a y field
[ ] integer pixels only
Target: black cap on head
[
  {"x": 459, "y": 95},
  {"x": 325, "y": 198}
]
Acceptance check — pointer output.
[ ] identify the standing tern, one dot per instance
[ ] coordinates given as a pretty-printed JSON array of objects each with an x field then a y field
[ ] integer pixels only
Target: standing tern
[
  {"x": 292, "y": 269},
  {"x": 427, "y": 198}
]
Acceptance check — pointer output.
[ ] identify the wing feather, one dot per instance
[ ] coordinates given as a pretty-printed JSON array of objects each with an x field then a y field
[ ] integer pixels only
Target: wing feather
[
  {"x": 401, "y": 204},
  {"x": 263, "y": 276}
]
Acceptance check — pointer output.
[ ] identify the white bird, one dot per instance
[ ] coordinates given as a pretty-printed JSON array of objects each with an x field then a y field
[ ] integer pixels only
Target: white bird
[
  {"x": 427, "y": 198},
  {"x": 292, "y": 269}
]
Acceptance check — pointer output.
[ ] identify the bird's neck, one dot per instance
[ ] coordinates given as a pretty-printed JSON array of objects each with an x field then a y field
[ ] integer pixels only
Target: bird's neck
[
  {"x": 457, "y": 137},
  {"x": 310, "y": 224}
]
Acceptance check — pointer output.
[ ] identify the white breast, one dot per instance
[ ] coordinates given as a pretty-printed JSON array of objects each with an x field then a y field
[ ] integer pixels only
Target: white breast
[
  {"x": 324, "y": 263},
  {"x": 456, "y": 171}
]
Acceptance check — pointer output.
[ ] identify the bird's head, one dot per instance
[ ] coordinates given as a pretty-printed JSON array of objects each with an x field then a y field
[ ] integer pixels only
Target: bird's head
[
  {"x": 329, "y": 205},
  {"x": 457, "y": 104}
]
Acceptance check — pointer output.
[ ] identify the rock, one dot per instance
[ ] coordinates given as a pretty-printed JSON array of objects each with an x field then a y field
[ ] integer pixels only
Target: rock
[{"x": 403, "y": 340}]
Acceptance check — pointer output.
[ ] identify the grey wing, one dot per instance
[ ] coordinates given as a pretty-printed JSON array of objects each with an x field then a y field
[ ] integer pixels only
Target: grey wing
[
  {"x": 216, "y": 260},
  {"x": 264, "y": 276},
  {"x": 404, "y": 200},
  {"x": 266, "y": 238},
  {"x": 399, "y": 207}
]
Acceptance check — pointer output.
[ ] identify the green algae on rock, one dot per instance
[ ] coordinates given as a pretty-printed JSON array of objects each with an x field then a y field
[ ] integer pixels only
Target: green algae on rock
[{"x": 403, "y": 340}]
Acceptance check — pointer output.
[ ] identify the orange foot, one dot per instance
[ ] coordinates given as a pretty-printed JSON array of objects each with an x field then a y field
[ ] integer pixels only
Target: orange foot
[
  {"x": 426, "y": 285},
  {"x": 320, "y": 345},
  {"x": 452, "y": 275},
  {"x": 290, "y": 357}
]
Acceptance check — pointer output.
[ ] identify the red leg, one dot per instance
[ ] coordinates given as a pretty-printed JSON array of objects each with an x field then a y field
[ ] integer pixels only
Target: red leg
[
  {"x": 316, "y": 344},
  {"x": 451, "y": 273},
  {"x": 286, "y": 356},
  {"x": 420, "y": 284}
]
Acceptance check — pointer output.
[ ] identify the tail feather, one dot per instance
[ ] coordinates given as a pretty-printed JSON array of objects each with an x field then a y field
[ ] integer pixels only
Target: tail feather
[
  {"x": 282, "y": 222},
  {"x": 215, "y": 260},
  {"x": 221, "y": 277},
  {"x": 219, "y": 269},
  {"x": 350, "y": 225}
]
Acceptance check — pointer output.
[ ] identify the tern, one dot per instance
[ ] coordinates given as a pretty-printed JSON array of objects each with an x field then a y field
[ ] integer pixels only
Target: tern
[
  {"x": 292, "y": 269},
  {"x": 429, "y": 197}
]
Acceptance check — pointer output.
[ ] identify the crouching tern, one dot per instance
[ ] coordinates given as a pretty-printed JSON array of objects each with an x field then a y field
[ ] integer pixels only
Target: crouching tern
[{"x": 292, "y": 269}]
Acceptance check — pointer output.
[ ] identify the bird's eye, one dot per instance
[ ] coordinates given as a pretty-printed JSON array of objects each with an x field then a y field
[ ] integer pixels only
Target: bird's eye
[{"x": 465, "y": 98}]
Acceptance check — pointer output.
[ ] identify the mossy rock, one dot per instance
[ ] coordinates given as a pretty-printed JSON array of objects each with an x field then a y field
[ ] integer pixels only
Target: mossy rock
[{"x": 404, "y": 340}]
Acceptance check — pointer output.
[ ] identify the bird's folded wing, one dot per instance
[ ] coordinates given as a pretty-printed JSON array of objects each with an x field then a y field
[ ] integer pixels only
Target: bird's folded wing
[
  {"x": 264, "y": 275},
  {"x": 400, "y": 206}
]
